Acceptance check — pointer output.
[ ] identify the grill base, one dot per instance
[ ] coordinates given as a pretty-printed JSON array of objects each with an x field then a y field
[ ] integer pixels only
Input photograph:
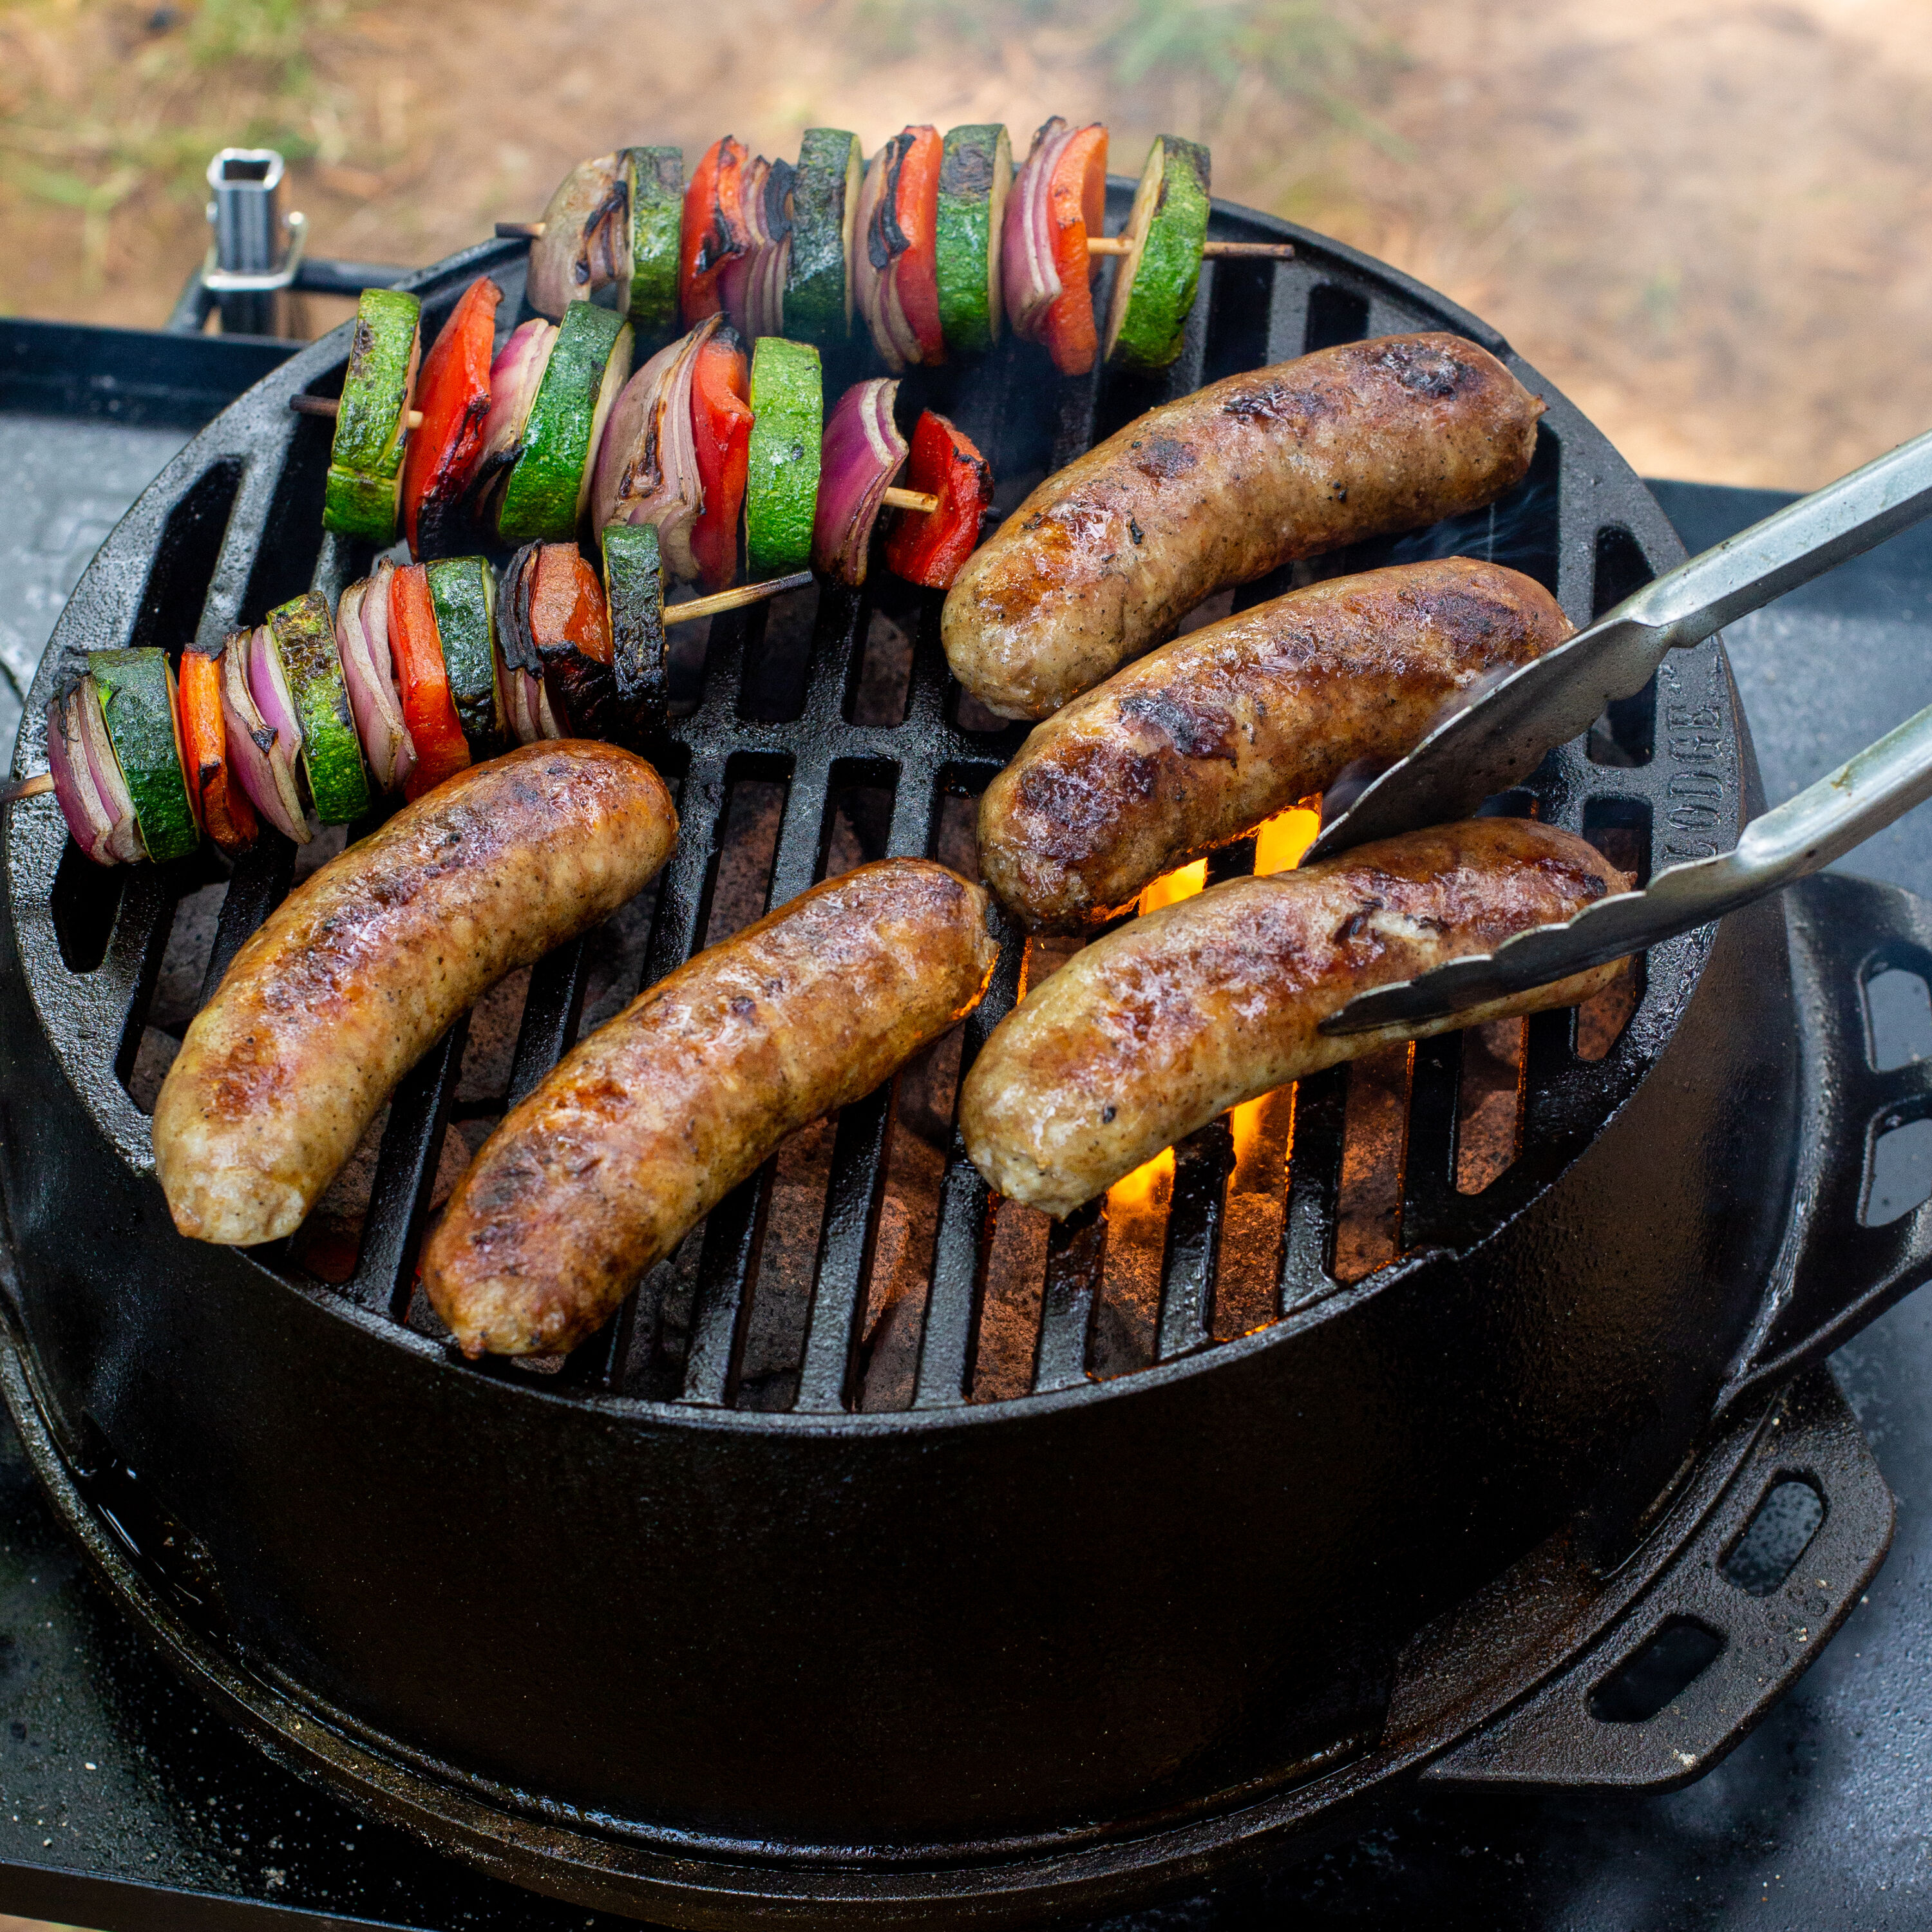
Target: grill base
[{"x": 1498, "y": 1692}]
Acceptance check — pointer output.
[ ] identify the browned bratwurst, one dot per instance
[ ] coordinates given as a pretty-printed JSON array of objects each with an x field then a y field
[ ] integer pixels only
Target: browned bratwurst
[
  {"x": 356, "y": 974},
  {"x": 1104, "y": 559},
  {"x": 644, "y": 1128},
  {"x": 1152, "y": 1031},
  {"x": 1203, "y": 739}
]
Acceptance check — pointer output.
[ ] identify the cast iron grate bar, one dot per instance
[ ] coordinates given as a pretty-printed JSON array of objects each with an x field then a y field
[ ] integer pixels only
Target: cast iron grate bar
[
  {"x": 726, "y": 1282},
  {"x": 406, "y": 1177},
  {"x": 1076, "y": 1259},
  {"x": 1202, "y": 1165},
  {"x": 852, "y": 1203},
  {"x": 551, "y": 1010},
  {"x": 1314, "y": 1187},
  {"x": 257, "y": 884},
  {"x": 1431, "y": 1210}
]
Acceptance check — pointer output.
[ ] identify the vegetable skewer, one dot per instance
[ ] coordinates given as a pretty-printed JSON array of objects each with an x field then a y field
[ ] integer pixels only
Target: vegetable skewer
[
  {"x": 1097, "y": 245},
  {"x": 922, "y": 501},
  {"x": 913, "y": 240}
]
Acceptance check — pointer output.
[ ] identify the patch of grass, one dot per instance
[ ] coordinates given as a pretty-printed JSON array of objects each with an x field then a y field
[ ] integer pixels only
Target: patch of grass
[{"x": 112, "y": 108}]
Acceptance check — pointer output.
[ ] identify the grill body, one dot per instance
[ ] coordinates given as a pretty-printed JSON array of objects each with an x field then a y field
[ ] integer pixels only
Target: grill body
[{"x": 962, "y": 1637}]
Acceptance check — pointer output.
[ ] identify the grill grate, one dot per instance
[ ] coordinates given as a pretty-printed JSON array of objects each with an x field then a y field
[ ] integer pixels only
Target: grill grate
[{"x": 793, "y": 707}]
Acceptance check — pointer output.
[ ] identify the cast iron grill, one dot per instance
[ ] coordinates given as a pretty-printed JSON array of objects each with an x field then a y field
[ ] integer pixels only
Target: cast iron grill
[
  {"x": 787, "y": 758},
  {"x": 593, "y": 1623}
]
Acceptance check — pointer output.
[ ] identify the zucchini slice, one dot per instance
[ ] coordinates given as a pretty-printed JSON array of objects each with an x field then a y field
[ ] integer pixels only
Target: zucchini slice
[
  {"x": 657, "y": 220},
  {"x": 634, "y": 589},
  {"x": 331, "y": 750},
  {"x": 1154, "y": 283},
  {"x": 781, "y": 484},
  {"x": 976, "y": 169},
  {"x": 824, "y": 210},
  {"x": 365, "y": 461},
  {"x": 545, "y": 491},
  {"x": 137, "y": 700},
  {"x": 463, "y": 593}
]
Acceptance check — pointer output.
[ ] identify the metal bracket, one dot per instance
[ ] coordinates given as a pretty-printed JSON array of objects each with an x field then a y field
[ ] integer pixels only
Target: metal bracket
[{"x": 264, "y": 281}]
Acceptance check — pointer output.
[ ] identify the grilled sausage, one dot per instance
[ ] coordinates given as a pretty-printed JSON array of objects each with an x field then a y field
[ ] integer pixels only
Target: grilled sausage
[
  {"x": 1104, "y": 559},
  {"x": 1204, "y": 738},
  {"x": 359, "y": 971},
  {"x": 1152, "y": 1031},
  {"x": 647, "y": 1125}
]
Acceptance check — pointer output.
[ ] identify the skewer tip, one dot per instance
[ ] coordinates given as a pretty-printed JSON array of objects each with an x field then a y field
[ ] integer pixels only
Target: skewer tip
[
  {"x": 330, "y": 407},
  {"x": 31, "y": 787},
  {"x": 519, "y": 231}
]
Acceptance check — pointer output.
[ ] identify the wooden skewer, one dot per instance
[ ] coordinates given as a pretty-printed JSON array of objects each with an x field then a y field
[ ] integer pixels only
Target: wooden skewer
[
  {"x": 329, "y": 406},
  {"x": 27, "y": 787},
  {"x": 1097, "y": 245},
  {"x": 734, "y": 600},
  {"x": 910, "y": 500}
]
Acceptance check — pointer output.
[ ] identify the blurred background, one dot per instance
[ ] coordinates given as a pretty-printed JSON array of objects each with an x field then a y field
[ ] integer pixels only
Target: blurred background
[{"x": 1710, "y": 221}]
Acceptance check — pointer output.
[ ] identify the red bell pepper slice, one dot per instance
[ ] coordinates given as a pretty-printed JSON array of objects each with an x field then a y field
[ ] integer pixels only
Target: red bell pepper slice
[
  {"x": 928, "y": 547},
  {"x": 721, "y": 423},
  {"x": 428, "y": 710},
  {"x": 714, "y": 228},
  {"x": 567, "y": 604},
  {"x": 1077, "y": 206},
  {"x": 915, "y": 209},
  {"x": 221, "y": 807},
  {"x": 453, "y": 393}
]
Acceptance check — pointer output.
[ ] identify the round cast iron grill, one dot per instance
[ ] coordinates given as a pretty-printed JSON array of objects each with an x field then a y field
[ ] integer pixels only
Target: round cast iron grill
[{"x": 794, "y": 752}]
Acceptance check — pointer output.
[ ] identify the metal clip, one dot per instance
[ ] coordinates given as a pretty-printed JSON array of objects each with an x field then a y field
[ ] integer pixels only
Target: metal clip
[{"x": 233, "y": 281}]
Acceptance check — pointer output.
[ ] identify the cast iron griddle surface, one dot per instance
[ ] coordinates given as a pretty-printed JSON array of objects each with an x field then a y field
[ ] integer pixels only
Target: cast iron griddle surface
[{"x": 124, "y": 1804}]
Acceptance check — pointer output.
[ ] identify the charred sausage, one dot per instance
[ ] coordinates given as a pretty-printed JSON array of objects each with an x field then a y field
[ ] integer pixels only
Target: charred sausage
[
  {"x": 358, "y": 972},
  {"x": 1152, "y": 1031},
  {"x": 1203, "y": 739},
  {"x": 647, "y": 1125},
  {"x": 1104, "y": 559}
]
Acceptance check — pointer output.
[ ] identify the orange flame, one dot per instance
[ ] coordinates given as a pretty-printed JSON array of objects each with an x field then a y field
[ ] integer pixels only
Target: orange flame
[
  {"x": 1142, "y": 1195},
  {"x": 1280, "y": 843},
  {"x": 1170, "y": 888}
]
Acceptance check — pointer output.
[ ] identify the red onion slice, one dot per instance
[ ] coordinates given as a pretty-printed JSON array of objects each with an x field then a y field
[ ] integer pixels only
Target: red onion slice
[
  {"x": 1027, "y": 264},
  {"x": 122, "y": 839},
  {"x": 647, "y": 466},
  {"x": 862, "y": 452},
  {"x": 868, "y": 276},
  {"x": 87, "y": 816},
  {"x": 261, "y": 756},
  {"x": 520, "y": 702},
  {"x": 514, "y": 377},
  {"x": 586, "y": 229},
  {"x": 362, "y": 638}
]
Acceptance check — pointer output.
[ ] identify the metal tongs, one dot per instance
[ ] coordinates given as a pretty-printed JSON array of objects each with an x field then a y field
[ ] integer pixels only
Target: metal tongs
[{"x": 1501, "y": 738}]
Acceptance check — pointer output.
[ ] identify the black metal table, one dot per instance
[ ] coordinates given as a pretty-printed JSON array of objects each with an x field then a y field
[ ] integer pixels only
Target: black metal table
[{"x": 124, "y": 1803}]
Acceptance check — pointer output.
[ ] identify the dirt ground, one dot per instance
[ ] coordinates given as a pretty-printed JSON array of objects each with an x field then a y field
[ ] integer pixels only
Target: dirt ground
[{"x": 1709, "y": 220}]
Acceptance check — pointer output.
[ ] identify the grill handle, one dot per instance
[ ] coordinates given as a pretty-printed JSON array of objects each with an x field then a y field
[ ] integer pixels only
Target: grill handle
[
  {"x": 1834, "y": 1274},
  {"x": 1560, "y": 1735}
]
